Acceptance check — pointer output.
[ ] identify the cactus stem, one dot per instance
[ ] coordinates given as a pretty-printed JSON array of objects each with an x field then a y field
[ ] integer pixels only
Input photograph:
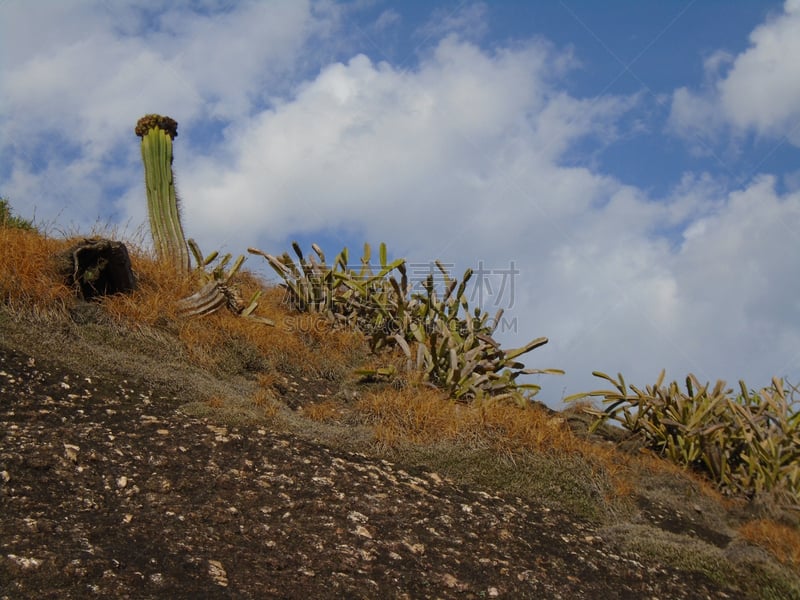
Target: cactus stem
[{"x": 157, "y": 133}]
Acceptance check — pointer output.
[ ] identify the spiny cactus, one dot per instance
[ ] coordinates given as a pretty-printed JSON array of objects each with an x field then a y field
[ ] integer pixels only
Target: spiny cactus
[
  {"x": 157, "y": 133},
  {"x": 449, "y": 345},
  {"x": 217, "y": 290},
  {"x": 747, "y": 443}
]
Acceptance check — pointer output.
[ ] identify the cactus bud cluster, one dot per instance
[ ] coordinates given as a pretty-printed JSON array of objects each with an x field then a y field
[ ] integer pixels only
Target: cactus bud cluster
[{"x": 148, "y": 122}]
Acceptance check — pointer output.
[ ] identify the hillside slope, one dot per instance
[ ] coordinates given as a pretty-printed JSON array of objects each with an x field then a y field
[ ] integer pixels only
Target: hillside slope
[
  {"x": 147, "y": 455},
  {"x": 128, "y": 471}
]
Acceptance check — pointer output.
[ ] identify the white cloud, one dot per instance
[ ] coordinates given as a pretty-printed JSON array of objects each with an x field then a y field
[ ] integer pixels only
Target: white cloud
[
  {"x": 234, "y": 58},
  {"x": 749, "y": 241},
  {"x": 368, "y": 143},
  {"x": 762, "y": 89},
  {"x": 467, "y": 20},
  {"x": 750, "y": 289},
  {"x": 723, "y": 305},
  {"x": 759, "y": 92}
]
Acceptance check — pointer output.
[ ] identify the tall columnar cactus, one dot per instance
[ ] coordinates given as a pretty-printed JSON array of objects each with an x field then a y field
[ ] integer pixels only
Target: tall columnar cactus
[{"x": 157, "y": 133}]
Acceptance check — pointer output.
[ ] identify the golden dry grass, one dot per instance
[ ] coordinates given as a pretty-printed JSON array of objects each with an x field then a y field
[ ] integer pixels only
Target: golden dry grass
[
  {"x": 285, "y": 347},
  {"x": 159, "y": 287},
  {"x": 298, "y": 343},
  {"x": 422, "y": 415},
  {"x": 327, "y": 410},
  {"x": 782, "y": 541},
  {"x": 28, "y": 278}
]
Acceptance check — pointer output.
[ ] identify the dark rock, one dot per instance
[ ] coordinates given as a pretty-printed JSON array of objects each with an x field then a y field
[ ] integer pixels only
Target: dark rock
[{"x": 97, "y": 267}]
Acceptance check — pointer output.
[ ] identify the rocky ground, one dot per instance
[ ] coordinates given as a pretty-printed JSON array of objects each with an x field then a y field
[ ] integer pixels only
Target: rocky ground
[{"x": 108, "y": 489}]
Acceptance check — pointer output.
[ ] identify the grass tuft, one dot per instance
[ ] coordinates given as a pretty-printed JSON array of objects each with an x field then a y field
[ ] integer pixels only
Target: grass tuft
[
  {"x": 781, "y": 540},
  {"x": 28, "y": 278},
  {"x": 328, "y": 410},
  {"x": 425, "y": 416}
]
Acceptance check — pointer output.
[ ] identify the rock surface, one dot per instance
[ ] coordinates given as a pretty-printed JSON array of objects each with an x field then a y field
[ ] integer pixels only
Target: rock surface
[{"x": 107, "y": 490}]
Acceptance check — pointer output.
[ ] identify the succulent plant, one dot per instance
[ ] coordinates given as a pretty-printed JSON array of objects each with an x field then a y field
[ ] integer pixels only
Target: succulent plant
[
  {"x": 450, "y": 347},
  {"x": 217, "y": 289},
  {"x": 157, "y": 133},
  {"x": 748, "y": 443}
]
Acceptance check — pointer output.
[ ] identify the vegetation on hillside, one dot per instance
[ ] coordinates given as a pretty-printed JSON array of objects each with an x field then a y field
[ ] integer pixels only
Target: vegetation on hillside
[
  {"x": 419, "y": 368},
  {"x": 519, "y": 447},
  {"x": 445, "y": 342},
  {"x": 748, "y": 443}
]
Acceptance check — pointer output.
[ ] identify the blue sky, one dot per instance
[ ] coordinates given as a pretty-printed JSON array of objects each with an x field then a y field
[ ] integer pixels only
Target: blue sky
[{"x": 638, "y": 163}]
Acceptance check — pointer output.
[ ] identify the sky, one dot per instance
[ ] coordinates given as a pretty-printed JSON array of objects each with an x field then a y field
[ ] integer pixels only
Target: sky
[{"x": 623, "y": 176}]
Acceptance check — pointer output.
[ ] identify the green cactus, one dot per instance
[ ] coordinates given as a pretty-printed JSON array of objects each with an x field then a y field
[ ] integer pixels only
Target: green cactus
[
  {"x": 157, "y": 133},
  {"x": 450, "y": 347},
  {"x": 749, "y": 443}
]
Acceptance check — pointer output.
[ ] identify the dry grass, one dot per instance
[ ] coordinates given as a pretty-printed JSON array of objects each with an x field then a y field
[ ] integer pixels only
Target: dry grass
[
  {"x": 222, "y": 338},
  {"x": 265, "y": 400},
  {"x": 297, "y": 344},
  {"x": 423, "y": 416},
  {"x": 28, "y": 278},
  {"x": 782, "y": 541},
  {"x": 159, "y": 287},
  {"x": 215, "y": 402},
  {"x": 328, "y": 410}
]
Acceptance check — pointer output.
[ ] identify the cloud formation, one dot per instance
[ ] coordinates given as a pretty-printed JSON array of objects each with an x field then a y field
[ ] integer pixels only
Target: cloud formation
[
  {"x": 368, "y": 143},
  {"x": 757, "y": 91}
]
